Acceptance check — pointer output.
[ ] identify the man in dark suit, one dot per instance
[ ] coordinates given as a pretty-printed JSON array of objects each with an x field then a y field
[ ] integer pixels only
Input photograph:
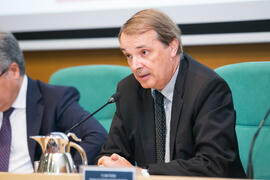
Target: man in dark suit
[
  {"x": 175, "y": 116},
  {"x": 38, "y": 109}
]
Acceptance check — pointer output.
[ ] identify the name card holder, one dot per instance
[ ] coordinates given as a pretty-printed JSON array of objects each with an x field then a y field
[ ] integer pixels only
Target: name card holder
[{"x": 106, "y": 173}]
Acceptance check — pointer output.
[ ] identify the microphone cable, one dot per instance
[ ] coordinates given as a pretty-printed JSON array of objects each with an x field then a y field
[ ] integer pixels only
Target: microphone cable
[
  {"x": 250, "y": 173},
  {"x": 115, "y": 97}
]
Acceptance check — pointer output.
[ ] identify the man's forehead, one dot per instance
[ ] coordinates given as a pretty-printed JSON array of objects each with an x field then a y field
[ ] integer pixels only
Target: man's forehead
[
  {"x": 139, "y": 33},
  {"x": 137, "y": 41}
]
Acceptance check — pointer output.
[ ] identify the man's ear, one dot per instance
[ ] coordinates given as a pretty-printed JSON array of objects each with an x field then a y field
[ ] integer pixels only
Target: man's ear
[
  {"x": 14, "y": 71},
  {"x": 174, "y": 47}
]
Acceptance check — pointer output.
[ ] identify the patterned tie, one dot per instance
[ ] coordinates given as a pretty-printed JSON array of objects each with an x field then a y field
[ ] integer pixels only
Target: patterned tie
[
  {"x": 160, "y": 121},
  {"x": 5, "y": 140}
]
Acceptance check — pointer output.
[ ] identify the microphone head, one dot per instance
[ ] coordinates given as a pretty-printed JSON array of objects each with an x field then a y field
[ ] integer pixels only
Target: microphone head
[{"x": 115, "y": 97}]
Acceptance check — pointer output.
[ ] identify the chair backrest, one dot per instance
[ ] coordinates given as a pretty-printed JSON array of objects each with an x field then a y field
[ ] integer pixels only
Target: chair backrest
[
  {"x": 96, "y": 84},
  {"x": 250, "y": 85}
]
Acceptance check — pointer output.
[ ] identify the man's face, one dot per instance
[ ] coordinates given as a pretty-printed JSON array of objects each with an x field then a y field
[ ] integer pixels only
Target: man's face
[
  {"x": 9, "y": 87},
  {"x": 151, "y": 62}
]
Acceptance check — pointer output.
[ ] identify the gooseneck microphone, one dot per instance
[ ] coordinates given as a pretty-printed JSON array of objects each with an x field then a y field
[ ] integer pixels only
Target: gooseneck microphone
[
  {"x": 115, "y": 97},
  {"x": 250, "y": 173}
]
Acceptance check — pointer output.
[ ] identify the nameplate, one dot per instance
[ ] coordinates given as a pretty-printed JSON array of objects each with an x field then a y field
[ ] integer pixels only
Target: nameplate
[{"x": 105, "y": 173}]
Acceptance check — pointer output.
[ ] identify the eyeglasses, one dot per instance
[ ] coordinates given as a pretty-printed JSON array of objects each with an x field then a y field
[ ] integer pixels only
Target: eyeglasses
[{"x": 3, "y": 72}]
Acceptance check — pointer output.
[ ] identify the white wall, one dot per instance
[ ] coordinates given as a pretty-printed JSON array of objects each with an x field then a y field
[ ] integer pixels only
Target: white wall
[{"x": 49, "y": 15}]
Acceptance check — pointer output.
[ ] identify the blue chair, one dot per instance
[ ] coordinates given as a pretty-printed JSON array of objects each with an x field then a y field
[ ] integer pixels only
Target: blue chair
[
  {"x": 250, "y": 86},
  {"x": 96, "y": 84}
]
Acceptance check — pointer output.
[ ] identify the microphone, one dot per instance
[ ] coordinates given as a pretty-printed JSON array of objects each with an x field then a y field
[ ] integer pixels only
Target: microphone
[
  {"x": 115, "y": 97},
  {"x": 250, "y": 173}
]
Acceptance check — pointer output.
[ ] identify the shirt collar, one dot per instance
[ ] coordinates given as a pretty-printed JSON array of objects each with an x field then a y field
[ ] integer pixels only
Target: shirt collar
[
  {"x": 20, "y": 101},
  {"x": 167, "y": 91}
]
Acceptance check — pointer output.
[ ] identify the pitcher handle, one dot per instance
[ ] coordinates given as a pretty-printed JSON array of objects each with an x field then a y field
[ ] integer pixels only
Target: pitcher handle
[{"x": 81, "y": 151}]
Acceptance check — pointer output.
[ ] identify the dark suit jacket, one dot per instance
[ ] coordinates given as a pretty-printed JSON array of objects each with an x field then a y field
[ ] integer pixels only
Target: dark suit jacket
[
  {"x": 55, "y": 108},
  {"x": 202, "y": 137}
]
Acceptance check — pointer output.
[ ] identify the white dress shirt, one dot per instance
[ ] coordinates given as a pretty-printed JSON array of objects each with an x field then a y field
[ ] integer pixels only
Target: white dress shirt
[
  {"x": 19, "y": 160},
  {"x": 167, "y": 92}
]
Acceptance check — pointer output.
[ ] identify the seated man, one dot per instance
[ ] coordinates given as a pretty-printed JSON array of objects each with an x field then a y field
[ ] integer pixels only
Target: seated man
[
  {"x": 175, "y": 116},
  {"x": 29, "y": 107}
]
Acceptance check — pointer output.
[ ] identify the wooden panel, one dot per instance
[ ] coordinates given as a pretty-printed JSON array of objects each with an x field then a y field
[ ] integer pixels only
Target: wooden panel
[
  {"x": 41, "y": 64},
  {"x": 216, "y": 56}
]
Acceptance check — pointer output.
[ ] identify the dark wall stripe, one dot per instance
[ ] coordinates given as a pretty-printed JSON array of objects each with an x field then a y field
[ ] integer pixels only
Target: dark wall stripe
[
  {"x": 67, "y": 34},
  {"x": 187, "y": 29},
  {"x": 226, "y": 27}
]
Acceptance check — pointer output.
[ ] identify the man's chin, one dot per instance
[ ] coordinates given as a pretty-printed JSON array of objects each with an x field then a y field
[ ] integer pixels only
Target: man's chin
[
  {"x": 145, "y": 82},
  {"x": 3, "y": 108},
  {"x": 146, "y": 85}
]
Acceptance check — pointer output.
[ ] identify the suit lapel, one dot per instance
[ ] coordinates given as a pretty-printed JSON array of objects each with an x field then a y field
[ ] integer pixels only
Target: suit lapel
[
  {"x": 146, "y": 125},
  {"x": 34, "y": 112},
  {"x": 177, "y": 103}
]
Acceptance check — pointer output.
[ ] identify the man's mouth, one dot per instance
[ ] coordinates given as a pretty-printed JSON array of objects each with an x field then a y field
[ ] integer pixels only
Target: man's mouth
[{"x": 144, "y": 76}]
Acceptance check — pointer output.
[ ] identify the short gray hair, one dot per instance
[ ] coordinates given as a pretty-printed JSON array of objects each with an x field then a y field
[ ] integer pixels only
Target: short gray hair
[{"x": 10, "y": 52}]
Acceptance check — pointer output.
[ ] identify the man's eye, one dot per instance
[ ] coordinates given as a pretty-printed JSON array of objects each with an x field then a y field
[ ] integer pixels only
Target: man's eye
[
  {"x": 128, "y": 56},
  {"x": 144, "y": 52}
]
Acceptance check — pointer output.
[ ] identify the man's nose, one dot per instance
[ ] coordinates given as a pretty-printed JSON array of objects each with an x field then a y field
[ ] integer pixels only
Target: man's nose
[{"x": 136, "y": 63}]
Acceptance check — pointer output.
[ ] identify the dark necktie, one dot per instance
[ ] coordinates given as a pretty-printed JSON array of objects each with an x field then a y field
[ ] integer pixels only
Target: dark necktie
[
  {"x": 160, "y": 122},
  {"x": 5, "y": 140}
]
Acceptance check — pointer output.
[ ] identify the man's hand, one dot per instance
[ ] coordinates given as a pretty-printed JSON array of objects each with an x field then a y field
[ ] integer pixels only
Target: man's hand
[{"x": 114, "y": 160}]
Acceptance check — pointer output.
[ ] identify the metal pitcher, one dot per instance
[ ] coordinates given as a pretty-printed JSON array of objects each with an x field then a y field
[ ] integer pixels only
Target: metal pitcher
[{"x": 56, "y": 157}]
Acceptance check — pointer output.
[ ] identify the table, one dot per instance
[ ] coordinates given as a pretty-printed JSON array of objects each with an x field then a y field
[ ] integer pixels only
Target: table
[{"x": 41, "y": 176}]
